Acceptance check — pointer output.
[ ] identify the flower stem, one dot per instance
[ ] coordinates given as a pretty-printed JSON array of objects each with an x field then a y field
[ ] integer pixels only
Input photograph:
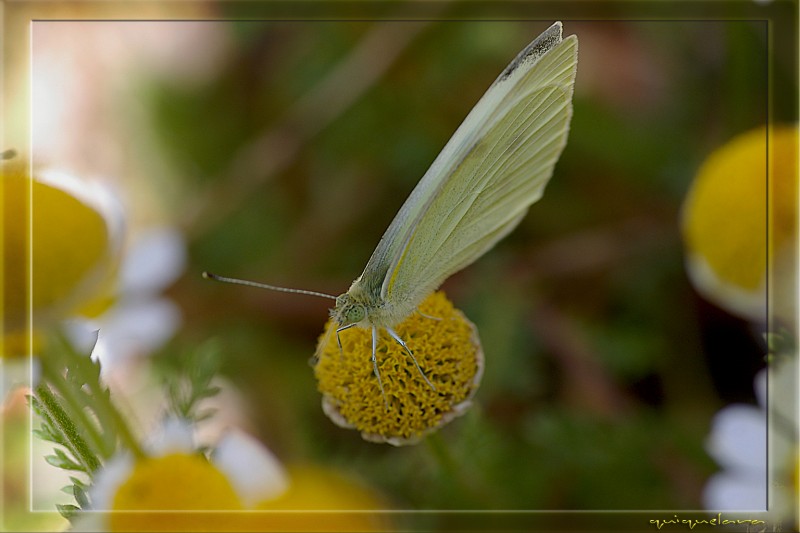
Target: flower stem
[
  {"x": 55, "y": 415},
  {"x": 81, "y": 395},
  {"x": 465, "y": 481},
  {"x": 71, "y": 410},
  {"x": 442, "y": 455},
  {"x": 105, "y": 406}
]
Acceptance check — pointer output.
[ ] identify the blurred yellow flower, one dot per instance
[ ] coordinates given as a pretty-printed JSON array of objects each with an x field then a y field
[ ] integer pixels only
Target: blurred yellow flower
[
  {"x": 242, "y": 487},
  {"x": 177, "y": 481},
  {"x": 725, "y": 219},
  {"x": 314, "y": 488},
  {"x": 445, "y": 344},
  {"x": 61, "y": 248}
]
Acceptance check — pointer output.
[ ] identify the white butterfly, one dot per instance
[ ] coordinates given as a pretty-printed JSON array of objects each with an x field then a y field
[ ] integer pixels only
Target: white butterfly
[{"x": 476, "y": 191}]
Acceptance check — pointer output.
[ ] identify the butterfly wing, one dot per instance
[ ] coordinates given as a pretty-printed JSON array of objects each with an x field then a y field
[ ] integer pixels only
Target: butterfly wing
[{"x": 480, "y": 186}]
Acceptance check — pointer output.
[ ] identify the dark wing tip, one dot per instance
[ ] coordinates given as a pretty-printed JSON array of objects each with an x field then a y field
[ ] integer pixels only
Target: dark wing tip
[{"x": 536, "y": 49}]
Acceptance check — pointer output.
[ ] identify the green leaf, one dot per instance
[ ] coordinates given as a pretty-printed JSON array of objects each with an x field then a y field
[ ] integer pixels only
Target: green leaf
[
  {"x": 780, "y": 342},
  {"x": 67, "y": 510},
  {"x": 208, "y": 392},
  {"x": 78, "y": 483},
  {"x": 77, "y": 407},
  {"x": 80, "y": 497},
  {"x": 58, "y": 422},
  {"x": 63, "y": 463},
  {"x": 46, "y": 433},
  {"x": 187, "y": 381}
]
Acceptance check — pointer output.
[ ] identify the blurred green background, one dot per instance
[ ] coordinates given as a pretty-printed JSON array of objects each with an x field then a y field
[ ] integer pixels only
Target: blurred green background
[{"x": 287, "y": 156}]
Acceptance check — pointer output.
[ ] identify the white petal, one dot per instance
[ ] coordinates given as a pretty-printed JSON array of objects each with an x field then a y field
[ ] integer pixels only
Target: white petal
[
  {"x": 108, "y": 480},
  {"x": 35, "y": 372},
  {"x": 783, "y": 445},
  {"x": 137, "y": 328},
  {"x": 154, "y": 261},
  {"x": 750, "y": 305},
  {"x": 738, "y": 439},
  {"x": 783, "y": 387},
  {"x": 783, "y": 455},
  {"x": 82, "y": 334},
  {"x": 253, "y": 470},
  {"x": 725, "y": 491},
  {"x": 175, "y": 435}
]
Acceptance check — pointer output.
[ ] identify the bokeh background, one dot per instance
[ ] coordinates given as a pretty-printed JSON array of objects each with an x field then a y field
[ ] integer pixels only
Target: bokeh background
[{"x": 280, "y": 150}]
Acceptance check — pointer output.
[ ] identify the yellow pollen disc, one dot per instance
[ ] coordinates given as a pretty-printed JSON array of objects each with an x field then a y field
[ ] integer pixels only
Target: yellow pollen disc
[
  {"x": 319, "y": 489},
  {"x": 725, "y": 214},
  {"x": 68, "y": 241},
  {"x": 177, "y": 482},
  {"x": 446, "y": 347}
]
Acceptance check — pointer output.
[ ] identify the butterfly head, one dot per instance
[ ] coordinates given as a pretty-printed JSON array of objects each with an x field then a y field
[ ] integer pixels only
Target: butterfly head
[{"x": 348, "y": 311}]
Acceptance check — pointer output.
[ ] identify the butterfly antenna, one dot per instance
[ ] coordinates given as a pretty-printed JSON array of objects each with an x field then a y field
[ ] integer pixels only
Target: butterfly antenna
[{"x": 209, "y": 275}]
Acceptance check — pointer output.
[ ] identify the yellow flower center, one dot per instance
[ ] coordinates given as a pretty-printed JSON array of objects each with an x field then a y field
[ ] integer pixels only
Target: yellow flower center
[
  {"x": 69, "y": 243},
  {"x": 446, "y": 347},
  {"x": 318, "y": 489},
  {"x": 179, "y": 483},
  {"x": 181, "y": 492},
  {"x": 725, "y": 214}
]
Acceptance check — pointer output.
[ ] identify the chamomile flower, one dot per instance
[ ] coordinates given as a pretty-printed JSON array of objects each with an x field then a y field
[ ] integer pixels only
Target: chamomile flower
[
  {"x": 62, "y": 244},
  {"x": 240, "y": 486},
  {"x": 749, "y": 461},
  {"x": 134, "y": 319},
  {"x": 81, "y": 270},
  {"x": 726, "y": 217},
  {"x": 446, "y": 346}
]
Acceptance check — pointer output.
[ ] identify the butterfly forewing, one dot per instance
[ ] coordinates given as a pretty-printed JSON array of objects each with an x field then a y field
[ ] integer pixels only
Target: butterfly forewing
[
  {"x": 529, "y": 147},
  {"x": 482, "y": 183},
  {"x": 502, "y": 183}
]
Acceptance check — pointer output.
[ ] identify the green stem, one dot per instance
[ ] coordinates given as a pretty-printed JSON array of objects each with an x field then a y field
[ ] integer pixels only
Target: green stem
[
  {"x": 72, "y": 408},
  {"x": 443, "y": 456},
  {"x": 468, "y": 484},
  {"x": 110, "y": 424},
  {"x": 88, "y": 372},
  {"x": 106, "y": 408},
  {"x": 58, "y": 418}
]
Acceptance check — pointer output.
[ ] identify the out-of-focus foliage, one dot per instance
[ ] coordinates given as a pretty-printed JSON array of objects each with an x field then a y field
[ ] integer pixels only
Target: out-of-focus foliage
[
  {"x": 603, "y": 366},
  {"x": 597, "y": 383}
]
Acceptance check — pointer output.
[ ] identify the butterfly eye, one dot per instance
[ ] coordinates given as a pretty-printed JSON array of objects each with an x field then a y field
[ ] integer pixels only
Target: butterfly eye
[{"x": 356, "y": 314}]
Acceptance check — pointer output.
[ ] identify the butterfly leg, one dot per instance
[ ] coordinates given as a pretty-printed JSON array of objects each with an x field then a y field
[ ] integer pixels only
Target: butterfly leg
[
  {"x": 375, "y": 365},
  {"x": 400, "y": 341},
  {"x": 339, "y": 340}
]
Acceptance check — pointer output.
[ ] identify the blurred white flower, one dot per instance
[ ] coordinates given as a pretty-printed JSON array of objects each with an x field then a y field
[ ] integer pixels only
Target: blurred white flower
[
  {"x": 750, "y": 461},
  {"x": 738, "y": 443},
  {"x": 176, "y": 476},
  {"x": 252, "y": 470},
  {"x": 163, "y": 490},
  {"x": 141, "y": 320},
  {"x": 71, "y": 230}
]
